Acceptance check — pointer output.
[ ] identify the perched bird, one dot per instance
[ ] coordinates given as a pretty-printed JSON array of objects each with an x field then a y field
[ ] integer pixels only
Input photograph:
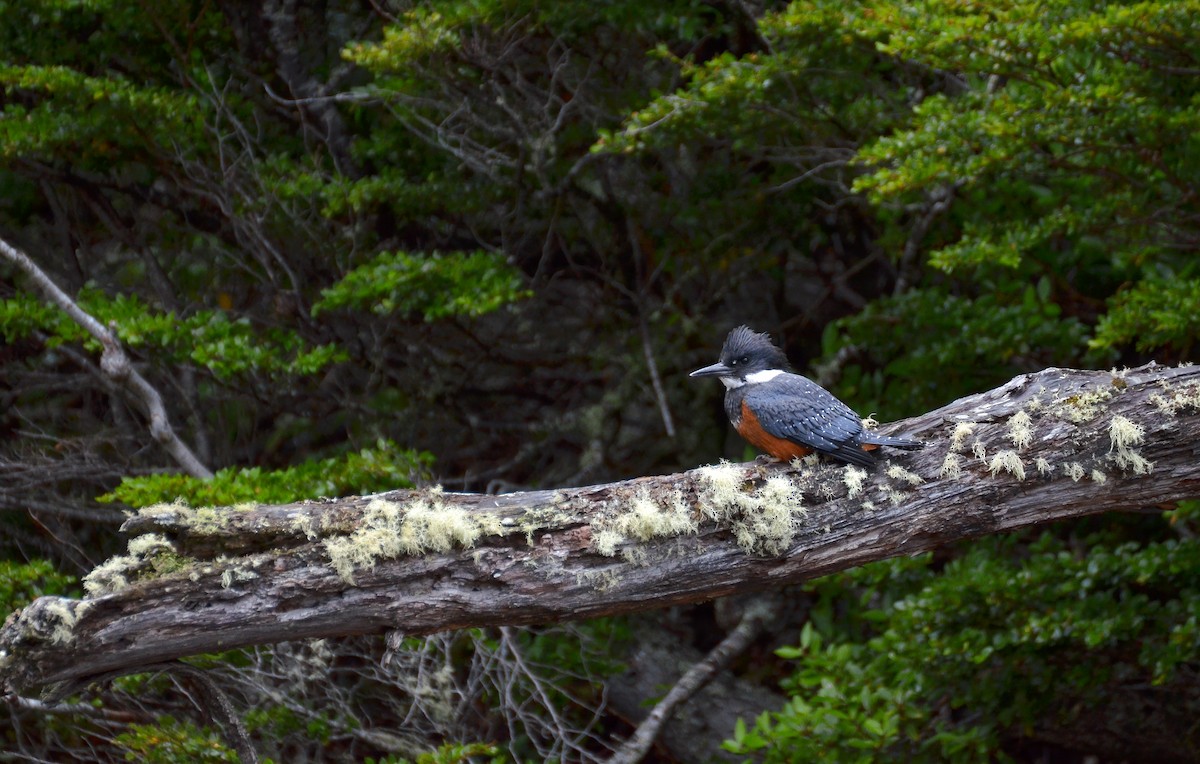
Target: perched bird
[{"x": 785, "y": 414}]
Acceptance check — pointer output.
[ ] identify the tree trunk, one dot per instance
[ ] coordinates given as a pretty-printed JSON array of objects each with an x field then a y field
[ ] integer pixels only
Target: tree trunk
[{"x": 1045, "y": 446}]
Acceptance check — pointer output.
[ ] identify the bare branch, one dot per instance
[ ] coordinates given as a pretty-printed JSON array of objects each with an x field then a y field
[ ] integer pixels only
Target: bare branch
[
  {"x": 1048, "y": 446},
  {"x": 115, "y": 364},
  {"x": 699, "y": 675}
]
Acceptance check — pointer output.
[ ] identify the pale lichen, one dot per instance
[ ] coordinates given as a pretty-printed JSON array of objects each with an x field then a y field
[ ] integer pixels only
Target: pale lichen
[
  {"x": 1084, "y": 406},
  {"x": 64, "y": 614},
  {"x": 764, "y": 520},
  {"x": 389, "y": 530},
  {"x": 644, "y": 519},
  {"x": 148, "y": 552},
  {"x": 1007, "y": 461},
  {"x": 1075, "y": 471},
  {"x": 1099, "y": 477},
  {"x": 235, "y": 574},
  {"x": 896, "y": 472},
  {"x": 1020, "y": 430},
  {"x": 962, "y": 431},
  {"x": 951, "y": 466},
  {"x": 606, "y": 541},
  {"x": 979, "y": 450},
  {"x": 1124, "y": 434},
  {"x": 1044, "y": 467},
  {"x": 854, "y": 478},
  {"x": 1172, "y": 399}
]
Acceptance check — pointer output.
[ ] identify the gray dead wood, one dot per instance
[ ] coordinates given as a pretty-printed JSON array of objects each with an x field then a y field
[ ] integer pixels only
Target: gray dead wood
[{"x": 243, "y": 576}]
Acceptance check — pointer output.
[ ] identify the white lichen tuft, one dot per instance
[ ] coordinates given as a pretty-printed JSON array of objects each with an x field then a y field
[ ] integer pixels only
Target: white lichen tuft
[
  {"x": 644, "y": 520},
  {"x": 1176, "y": 398},
  {"x": 1044, "y": 467},
  {"x": 896, "y": 472},
  {"x": 606, "y": 541},
  {"x": 148, "y": 544},
  {"x": 234, "y": 574},
  {"x": 389, "y": 530},
  {"x": 772, "y": 526},
  {"x": 306, "y": 524},
  {"x": 951, "y": 466},
  {"x": 1020, "y": 430},
  {"x": 64, "y": 619},
  {"x": 1075, "y": 471},
  {"x": 1007, "y": 461},
  {"x": 870, "y": 422},
  {"x": 724, "y": 492},
  {"x": 962, "y": 431},
  {"x": 1099, "y": 477},
  {"x": 979, "y": 450},
  {"x": 763, "y": 521},
  {"x": 1084, "y": 406},
  {"x": 113, "y": 574},
  {"x": 1124, "y": 433},
  {"x": 854, "y": 478}
]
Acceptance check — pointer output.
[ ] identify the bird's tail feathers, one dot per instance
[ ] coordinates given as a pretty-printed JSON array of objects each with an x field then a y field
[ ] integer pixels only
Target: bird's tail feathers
[{"x": 876, "y": 439}]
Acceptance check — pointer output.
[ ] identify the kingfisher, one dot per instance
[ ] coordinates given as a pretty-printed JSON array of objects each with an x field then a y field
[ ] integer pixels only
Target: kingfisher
[{"x": 786, "y": 414}]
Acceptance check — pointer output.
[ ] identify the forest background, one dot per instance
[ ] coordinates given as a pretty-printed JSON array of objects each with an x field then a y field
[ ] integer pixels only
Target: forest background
[{"x": 479, "y": 243}]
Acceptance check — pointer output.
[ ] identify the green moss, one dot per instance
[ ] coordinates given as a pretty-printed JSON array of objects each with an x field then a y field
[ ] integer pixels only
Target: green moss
[{"x": 151, "y": 555}]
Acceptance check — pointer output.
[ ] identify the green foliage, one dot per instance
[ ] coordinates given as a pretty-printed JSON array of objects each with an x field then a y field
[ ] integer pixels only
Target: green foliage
[
  {"x": 1151, "y": 315},
  {"x": 840, "y": 709},
  {"x": 1065, "y": 119},
  {"x": 973, "y": 343},
  {"x": 694, "y": 162},
  {"x": 1009, "y": 640},
  {"x": 385, "y": 467},
  {"x": 170, "y": 741},
  {"x": 451, "y": 753},
  {"x": 276, "y": 722},
  {"x": 22, "y": 583},
  {"x": 436, "y": 285},
  {"x": 207, "y": 338}
]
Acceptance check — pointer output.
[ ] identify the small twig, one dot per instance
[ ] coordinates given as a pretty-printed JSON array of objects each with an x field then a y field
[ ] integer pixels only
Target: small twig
[
  {"x": 115, "y": 364},
  {"x": 655, "y": 379},
  {"x": 759, "y": 612},
  {"x": 216, "y": 704},
  {"x": 100, "y": 713}
]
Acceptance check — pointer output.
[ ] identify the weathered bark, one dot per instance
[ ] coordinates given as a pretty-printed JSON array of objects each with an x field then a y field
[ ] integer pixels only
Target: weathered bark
[{"x": 242, "y": 576}]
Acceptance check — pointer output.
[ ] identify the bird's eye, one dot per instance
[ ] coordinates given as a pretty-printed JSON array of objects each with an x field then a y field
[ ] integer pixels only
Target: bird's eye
[{"x": 744, "y": 359}]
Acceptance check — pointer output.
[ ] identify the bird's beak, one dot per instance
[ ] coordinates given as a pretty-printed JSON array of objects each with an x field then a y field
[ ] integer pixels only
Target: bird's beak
[{"x": 718, "y": 369}]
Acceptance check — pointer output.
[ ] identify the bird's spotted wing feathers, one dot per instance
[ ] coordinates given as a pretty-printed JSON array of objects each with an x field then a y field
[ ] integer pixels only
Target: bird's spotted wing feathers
[{"x": 797, "y": 409}]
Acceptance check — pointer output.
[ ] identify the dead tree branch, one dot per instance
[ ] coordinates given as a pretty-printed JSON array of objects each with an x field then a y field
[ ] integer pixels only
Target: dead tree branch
[
  {"x": 700, "y": 674},
  {"x": 1048, "y": 446},
  {"x": 115, "y": 363}
]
